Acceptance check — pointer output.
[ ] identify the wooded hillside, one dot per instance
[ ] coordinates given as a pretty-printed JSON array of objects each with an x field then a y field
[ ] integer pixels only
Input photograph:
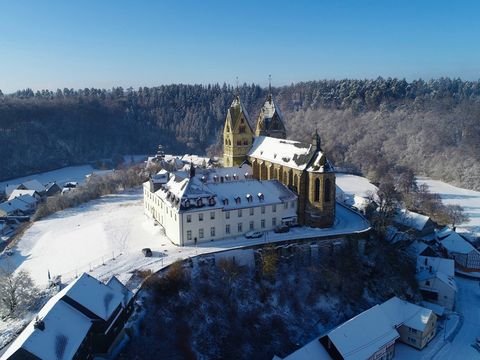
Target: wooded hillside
[{"x": 367, "y": 125}]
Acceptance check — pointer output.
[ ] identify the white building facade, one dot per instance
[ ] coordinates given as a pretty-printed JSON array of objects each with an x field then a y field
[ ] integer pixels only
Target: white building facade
[{"x": 212, "y": 204}]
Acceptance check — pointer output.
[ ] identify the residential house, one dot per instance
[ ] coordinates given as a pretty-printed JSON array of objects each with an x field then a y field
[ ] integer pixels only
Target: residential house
[
  {"x": 408, "y": 220},
  {"x": 19, "y": 192},
  {"x": 416, "y": 325},
  {"x": 372, "y": 334},
  {"x": 20, "y": 206},
  {"x": 79, "y": 322},
  {"x": 369, "y": 335},
  {"x": 436, "y": 279},
  {"x": 52, "y": 189},
  {"x": 467, "y": 258}
]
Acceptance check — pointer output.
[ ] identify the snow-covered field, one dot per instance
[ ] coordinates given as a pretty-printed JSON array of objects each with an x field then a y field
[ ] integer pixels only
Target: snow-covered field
[
  {"x": 468, "y": 199},
  {"x": 106, "y": 236}
]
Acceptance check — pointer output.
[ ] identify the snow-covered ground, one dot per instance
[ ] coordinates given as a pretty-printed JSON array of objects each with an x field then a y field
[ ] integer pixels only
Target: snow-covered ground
[
  {"x": 61, "y": 176},
  {"x": 106, "y": 236},
  {"x": 451, "y": 195}
]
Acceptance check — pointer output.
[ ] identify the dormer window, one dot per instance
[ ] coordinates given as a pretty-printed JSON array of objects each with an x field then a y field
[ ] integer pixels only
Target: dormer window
[
  {"x": 261, "y": 197},
  {"x": 211, "y": 201},
  {"x": 235, "y": 177},
  {"x": 238, "y": 200},
  {"x": 249, "y": 197},
  {"x": 225, "y": 201},
  {"x": 199, "y": 202},
  {"x": 187, "y": 203}
]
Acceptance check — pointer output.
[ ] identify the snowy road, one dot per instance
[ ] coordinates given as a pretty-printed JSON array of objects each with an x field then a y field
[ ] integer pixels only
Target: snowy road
[{"x": 468, "y": 304}]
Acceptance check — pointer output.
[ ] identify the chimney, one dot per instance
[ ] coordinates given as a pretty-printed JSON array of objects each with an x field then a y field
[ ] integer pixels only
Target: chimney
[{"x": 39, "y": 324}]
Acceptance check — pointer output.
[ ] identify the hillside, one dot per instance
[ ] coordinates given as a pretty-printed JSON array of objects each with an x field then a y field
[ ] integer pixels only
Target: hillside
[{"x": 369, "y": 126}]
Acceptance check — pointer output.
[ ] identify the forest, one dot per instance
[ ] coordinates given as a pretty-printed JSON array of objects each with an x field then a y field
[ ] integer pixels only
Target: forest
[{"x": 367, "y": 126}]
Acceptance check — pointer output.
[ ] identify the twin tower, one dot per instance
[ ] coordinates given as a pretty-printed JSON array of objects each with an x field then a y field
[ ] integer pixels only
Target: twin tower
[{"x": 302, "y": 167}]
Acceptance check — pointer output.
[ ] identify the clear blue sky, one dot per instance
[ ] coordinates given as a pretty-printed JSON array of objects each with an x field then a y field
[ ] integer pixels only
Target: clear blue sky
[{"x": 105, "y": 43}]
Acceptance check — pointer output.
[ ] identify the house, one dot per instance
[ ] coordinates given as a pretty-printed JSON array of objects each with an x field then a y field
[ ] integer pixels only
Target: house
[
  {"x": 436, "y": 279},
  {"x": 422, "y": 225},
  {"x": 466, "y": 257},
  {"x": 19, "y": 192},
  {"x": 372, "y": 334},
  {"x": 416, "y": 325},
  {"x": 34, "y": 185},
  {"x": 210, "y": 204},
  {"x": 369, "y": 335},
  {"x": 52, "y": 188},
  {"x": 19, "y": 206},
  {"x": 79, "y": 322}
]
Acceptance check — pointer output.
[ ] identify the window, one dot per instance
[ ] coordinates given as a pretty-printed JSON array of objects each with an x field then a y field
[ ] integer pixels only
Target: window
[
  {"x": 239, "y": 212},
  {"x": 241, "y": 129},
  {"x": 316, "y": 195},
  {"x": 200, "y": 233},
  {"x": 227, "y": 214},
  {"x": 274, "y": 208},
  {"x": 262, "y": 224},
  {"x": 200, "y": 217},
  {"x": 227, "y": 229},
  {"x": 189, "y": 234},
  {"x": 251, "y": 211},
  {"x": 239, "y": 142},
  {"x": 413, "y": 331},
  {"x": 263, "y": 210},
  {"x": 326, "y": 190},
  {"x": 212, "y": 215},
  {"x": 292, "y": 204},
  {"x": 285, "y": 205},
  {"x": 212, "y": 231},
  {"x": 239, "y": 227},
  {"x": 274, "y": 221},
  {"x": 427, "y": 283},
  {"x": 251, "y": 225}
]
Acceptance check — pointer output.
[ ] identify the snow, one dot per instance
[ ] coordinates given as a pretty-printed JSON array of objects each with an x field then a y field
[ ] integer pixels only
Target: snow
[
  {"x": 313, "y": 350},
  {"x": 452, "y": 195},
  {"x": 44, "y": 344},
  {"x": 95, "y": 296},
  {"x": 356, "y": 189},
  {"x": 17, "y": 193},
  {"x": 70, "y": 173},
  {"x": 454, "y": 243},
  {"x": 453, "y": 341},
  {"x": 411, "y": 219},
  {"x": 293, "y": 154},
  {"x": 402, "y": 312},
  {"x": 105, "y": 237},
  {"x": 364, "y": 335},
  {"x": 445, "y": 266}
]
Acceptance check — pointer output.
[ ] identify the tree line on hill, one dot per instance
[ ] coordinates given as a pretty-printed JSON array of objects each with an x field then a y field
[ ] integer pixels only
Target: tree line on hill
[{"x": 368, "y": 126}]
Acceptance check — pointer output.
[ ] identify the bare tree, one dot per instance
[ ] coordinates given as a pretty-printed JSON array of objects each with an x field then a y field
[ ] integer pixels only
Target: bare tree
[
  {"x": 456, "y": 215},
  {"x": 17, "y": 291}
]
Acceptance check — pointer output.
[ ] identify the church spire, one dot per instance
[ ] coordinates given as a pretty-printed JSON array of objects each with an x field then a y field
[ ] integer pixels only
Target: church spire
[
  {"x": 270, "y": 120},
  {"x": 316, "y": 141}
]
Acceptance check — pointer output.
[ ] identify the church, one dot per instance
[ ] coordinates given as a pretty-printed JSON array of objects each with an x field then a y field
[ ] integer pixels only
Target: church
[{"x": 302, "y": 167}]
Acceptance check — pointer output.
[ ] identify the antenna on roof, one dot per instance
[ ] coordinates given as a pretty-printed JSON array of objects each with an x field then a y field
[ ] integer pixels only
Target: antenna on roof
[
  {"x": 270, "y": 84},
  {"x": 236, "y": 79}
]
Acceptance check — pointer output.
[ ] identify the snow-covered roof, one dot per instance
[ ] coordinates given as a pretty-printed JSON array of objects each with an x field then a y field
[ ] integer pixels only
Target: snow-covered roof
[
  {"x": 34, "y": 185},
  {"x": 65, "y": 329},
  {"x": 293, "y": 154},
  {"x": 436, "y": 264},
  {"x": 454, "y": 243},
  {"x": 94, "y": 295},
  {"x": 401, "y": 312},
  {"x": 18, "y": 192},
  {"x": 313, "y": 350},
  {"x": 196, "y": 160},
  {"x": 14, "y": 205},
  {"x": 362, "y": 336},
  {"x": 227, "y": 188},
  {"x": 234, "y": 113},
  {"x": 437, "y": 309},
  {"x": 117, "y": 285},
  {"x": 411, "y": 219},
  {"x": 10, "y": 188}
]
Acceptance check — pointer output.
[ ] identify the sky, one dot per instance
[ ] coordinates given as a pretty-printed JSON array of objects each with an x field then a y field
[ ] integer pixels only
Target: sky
[{"x": 52, "y": 44}]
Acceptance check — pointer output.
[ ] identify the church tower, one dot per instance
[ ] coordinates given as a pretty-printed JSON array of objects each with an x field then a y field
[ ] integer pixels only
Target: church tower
[
  {"x": 270, "y": 120},
  {"x": 237, "y": 135}
]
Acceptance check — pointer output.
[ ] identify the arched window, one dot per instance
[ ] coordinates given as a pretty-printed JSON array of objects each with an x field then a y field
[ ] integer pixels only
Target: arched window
[
  {"x": 316, "y": 196},
  {"x": 245, "y": 142},
  {"x": 326, "y": 190}
]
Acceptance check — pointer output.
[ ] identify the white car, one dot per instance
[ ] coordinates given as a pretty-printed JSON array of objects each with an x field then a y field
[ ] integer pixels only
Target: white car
[{"x": 253, "y": 234}]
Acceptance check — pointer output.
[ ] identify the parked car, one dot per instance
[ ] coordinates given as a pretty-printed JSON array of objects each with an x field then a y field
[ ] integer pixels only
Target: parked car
[
  {"x": 253, "y": 234},
  {"x": 281, "y": 229},
  {"x": 147, "y": 252}
]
